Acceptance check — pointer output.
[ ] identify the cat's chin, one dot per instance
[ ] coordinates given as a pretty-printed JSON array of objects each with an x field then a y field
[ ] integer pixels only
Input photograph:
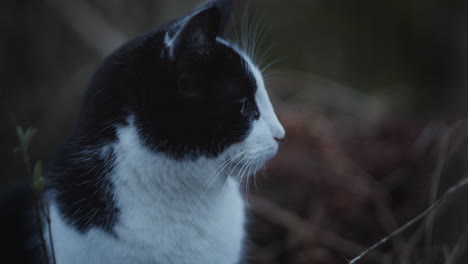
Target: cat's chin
[
  {"x": 245, "y": 169},
  {"x": 246, "y": 165}
]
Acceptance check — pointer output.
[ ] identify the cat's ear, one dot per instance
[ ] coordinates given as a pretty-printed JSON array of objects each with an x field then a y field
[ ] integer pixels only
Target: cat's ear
[{"x": 198, "y": 31}]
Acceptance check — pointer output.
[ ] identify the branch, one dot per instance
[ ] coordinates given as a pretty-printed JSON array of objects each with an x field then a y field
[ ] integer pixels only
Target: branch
[{"x": 462, "y": 183}]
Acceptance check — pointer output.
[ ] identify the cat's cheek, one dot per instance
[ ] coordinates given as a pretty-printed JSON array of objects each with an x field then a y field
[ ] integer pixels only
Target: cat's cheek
[{"x": 260, "y": 144}]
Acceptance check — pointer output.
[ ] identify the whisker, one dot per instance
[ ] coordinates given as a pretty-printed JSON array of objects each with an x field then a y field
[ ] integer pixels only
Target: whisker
[
  {"x": 236, "y": 177},
  {"x": 217, "y": 171},
  {"x": 257, "y": 165},
  {"x": 235, "y": 29},
  {"x": 258, "y": 37},
  {"x": 266, "y": 55},
  {"x": 253, "y": 37},
  {"x": 238, "y": 163},
  {"x": 251, "y": 173},
  {"x": 276, "y": 61},
  {"x": 244, "y": 39}
]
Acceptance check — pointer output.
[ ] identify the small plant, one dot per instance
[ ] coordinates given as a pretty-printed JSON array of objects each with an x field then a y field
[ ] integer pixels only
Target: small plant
[{"x": 35, "y": 172}]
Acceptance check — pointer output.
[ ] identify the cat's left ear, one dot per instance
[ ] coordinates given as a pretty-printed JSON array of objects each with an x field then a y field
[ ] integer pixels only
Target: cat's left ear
[{"x": 199, "y": 30}]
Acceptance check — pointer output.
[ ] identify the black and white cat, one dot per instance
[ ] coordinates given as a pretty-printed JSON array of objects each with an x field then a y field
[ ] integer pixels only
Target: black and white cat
[{"x": 169, "y": 124}]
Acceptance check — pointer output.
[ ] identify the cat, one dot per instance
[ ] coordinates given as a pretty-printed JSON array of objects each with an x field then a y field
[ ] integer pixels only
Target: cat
[{"x": 169, "y": 125}]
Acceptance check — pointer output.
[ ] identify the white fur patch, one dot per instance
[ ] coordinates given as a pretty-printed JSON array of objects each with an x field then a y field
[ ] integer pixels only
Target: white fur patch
[
  {"x": 267, "y": 127},
  {"x": 170, "y": 212}
]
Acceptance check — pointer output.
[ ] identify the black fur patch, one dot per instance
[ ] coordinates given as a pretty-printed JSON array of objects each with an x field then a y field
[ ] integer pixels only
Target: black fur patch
[
  {"x": 194, "y": 98},
  {"x": 83, "y": 191}
]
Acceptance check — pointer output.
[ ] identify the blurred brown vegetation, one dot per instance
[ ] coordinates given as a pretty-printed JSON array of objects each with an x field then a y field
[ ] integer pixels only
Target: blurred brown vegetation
[{"x": 372, "y": 95}]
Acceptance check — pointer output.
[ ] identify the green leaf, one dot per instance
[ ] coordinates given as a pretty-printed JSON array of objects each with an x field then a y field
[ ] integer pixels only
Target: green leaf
[
  {"x": 28, "y": 135},
  {"x": 37, "y": 171},
  {"x": 21, "y": 137},
  {"x": 19, "y": 132},
  {"x": 25, "y": 137},
  {"x": 38, "y": 184}
]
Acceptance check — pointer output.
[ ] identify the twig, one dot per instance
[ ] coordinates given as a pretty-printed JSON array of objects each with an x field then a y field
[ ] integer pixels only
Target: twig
[
  {"x": 459, "y": 247},
  {"x": 46, "y": 214},
  {"x": 45, "y": 254},
  {"x": 38, "y": 207},
  {"x": 411, "y": 244},
  {"x": 437, "y": 174},
  {"x": 462, "y": 183},
  {"x": 25, "y": 139},
  {"x": 389, "y": 223},
  {"x": 305, "y": 229}
]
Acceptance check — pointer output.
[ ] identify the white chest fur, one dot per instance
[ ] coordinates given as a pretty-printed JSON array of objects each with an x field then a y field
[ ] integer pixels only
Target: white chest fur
[{"x": 169, "y": 213}]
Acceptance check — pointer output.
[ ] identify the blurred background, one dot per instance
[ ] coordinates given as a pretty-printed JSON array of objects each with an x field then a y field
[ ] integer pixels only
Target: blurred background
[{"x": 372, "y": 95}]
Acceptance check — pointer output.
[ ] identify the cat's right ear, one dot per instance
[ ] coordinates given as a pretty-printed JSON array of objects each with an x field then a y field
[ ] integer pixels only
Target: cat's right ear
[{"x": 197, "y": 32}]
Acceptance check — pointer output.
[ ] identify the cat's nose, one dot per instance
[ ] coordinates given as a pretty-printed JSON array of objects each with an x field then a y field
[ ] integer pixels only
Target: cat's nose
[
  {"x": 280, "y": 135},
  {"x": 279, "y": 139},
  {"x": 276, "y": 129}
]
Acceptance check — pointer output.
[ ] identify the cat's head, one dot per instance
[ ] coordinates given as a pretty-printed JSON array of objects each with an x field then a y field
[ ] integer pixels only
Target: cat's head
[{"x": 189, "y": 92}]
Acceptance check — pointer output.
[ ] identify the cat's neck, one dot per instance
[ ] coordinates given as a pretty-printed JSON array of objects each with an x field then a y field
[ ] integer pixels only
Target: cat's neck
[{"x": 155, "y": 177}]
